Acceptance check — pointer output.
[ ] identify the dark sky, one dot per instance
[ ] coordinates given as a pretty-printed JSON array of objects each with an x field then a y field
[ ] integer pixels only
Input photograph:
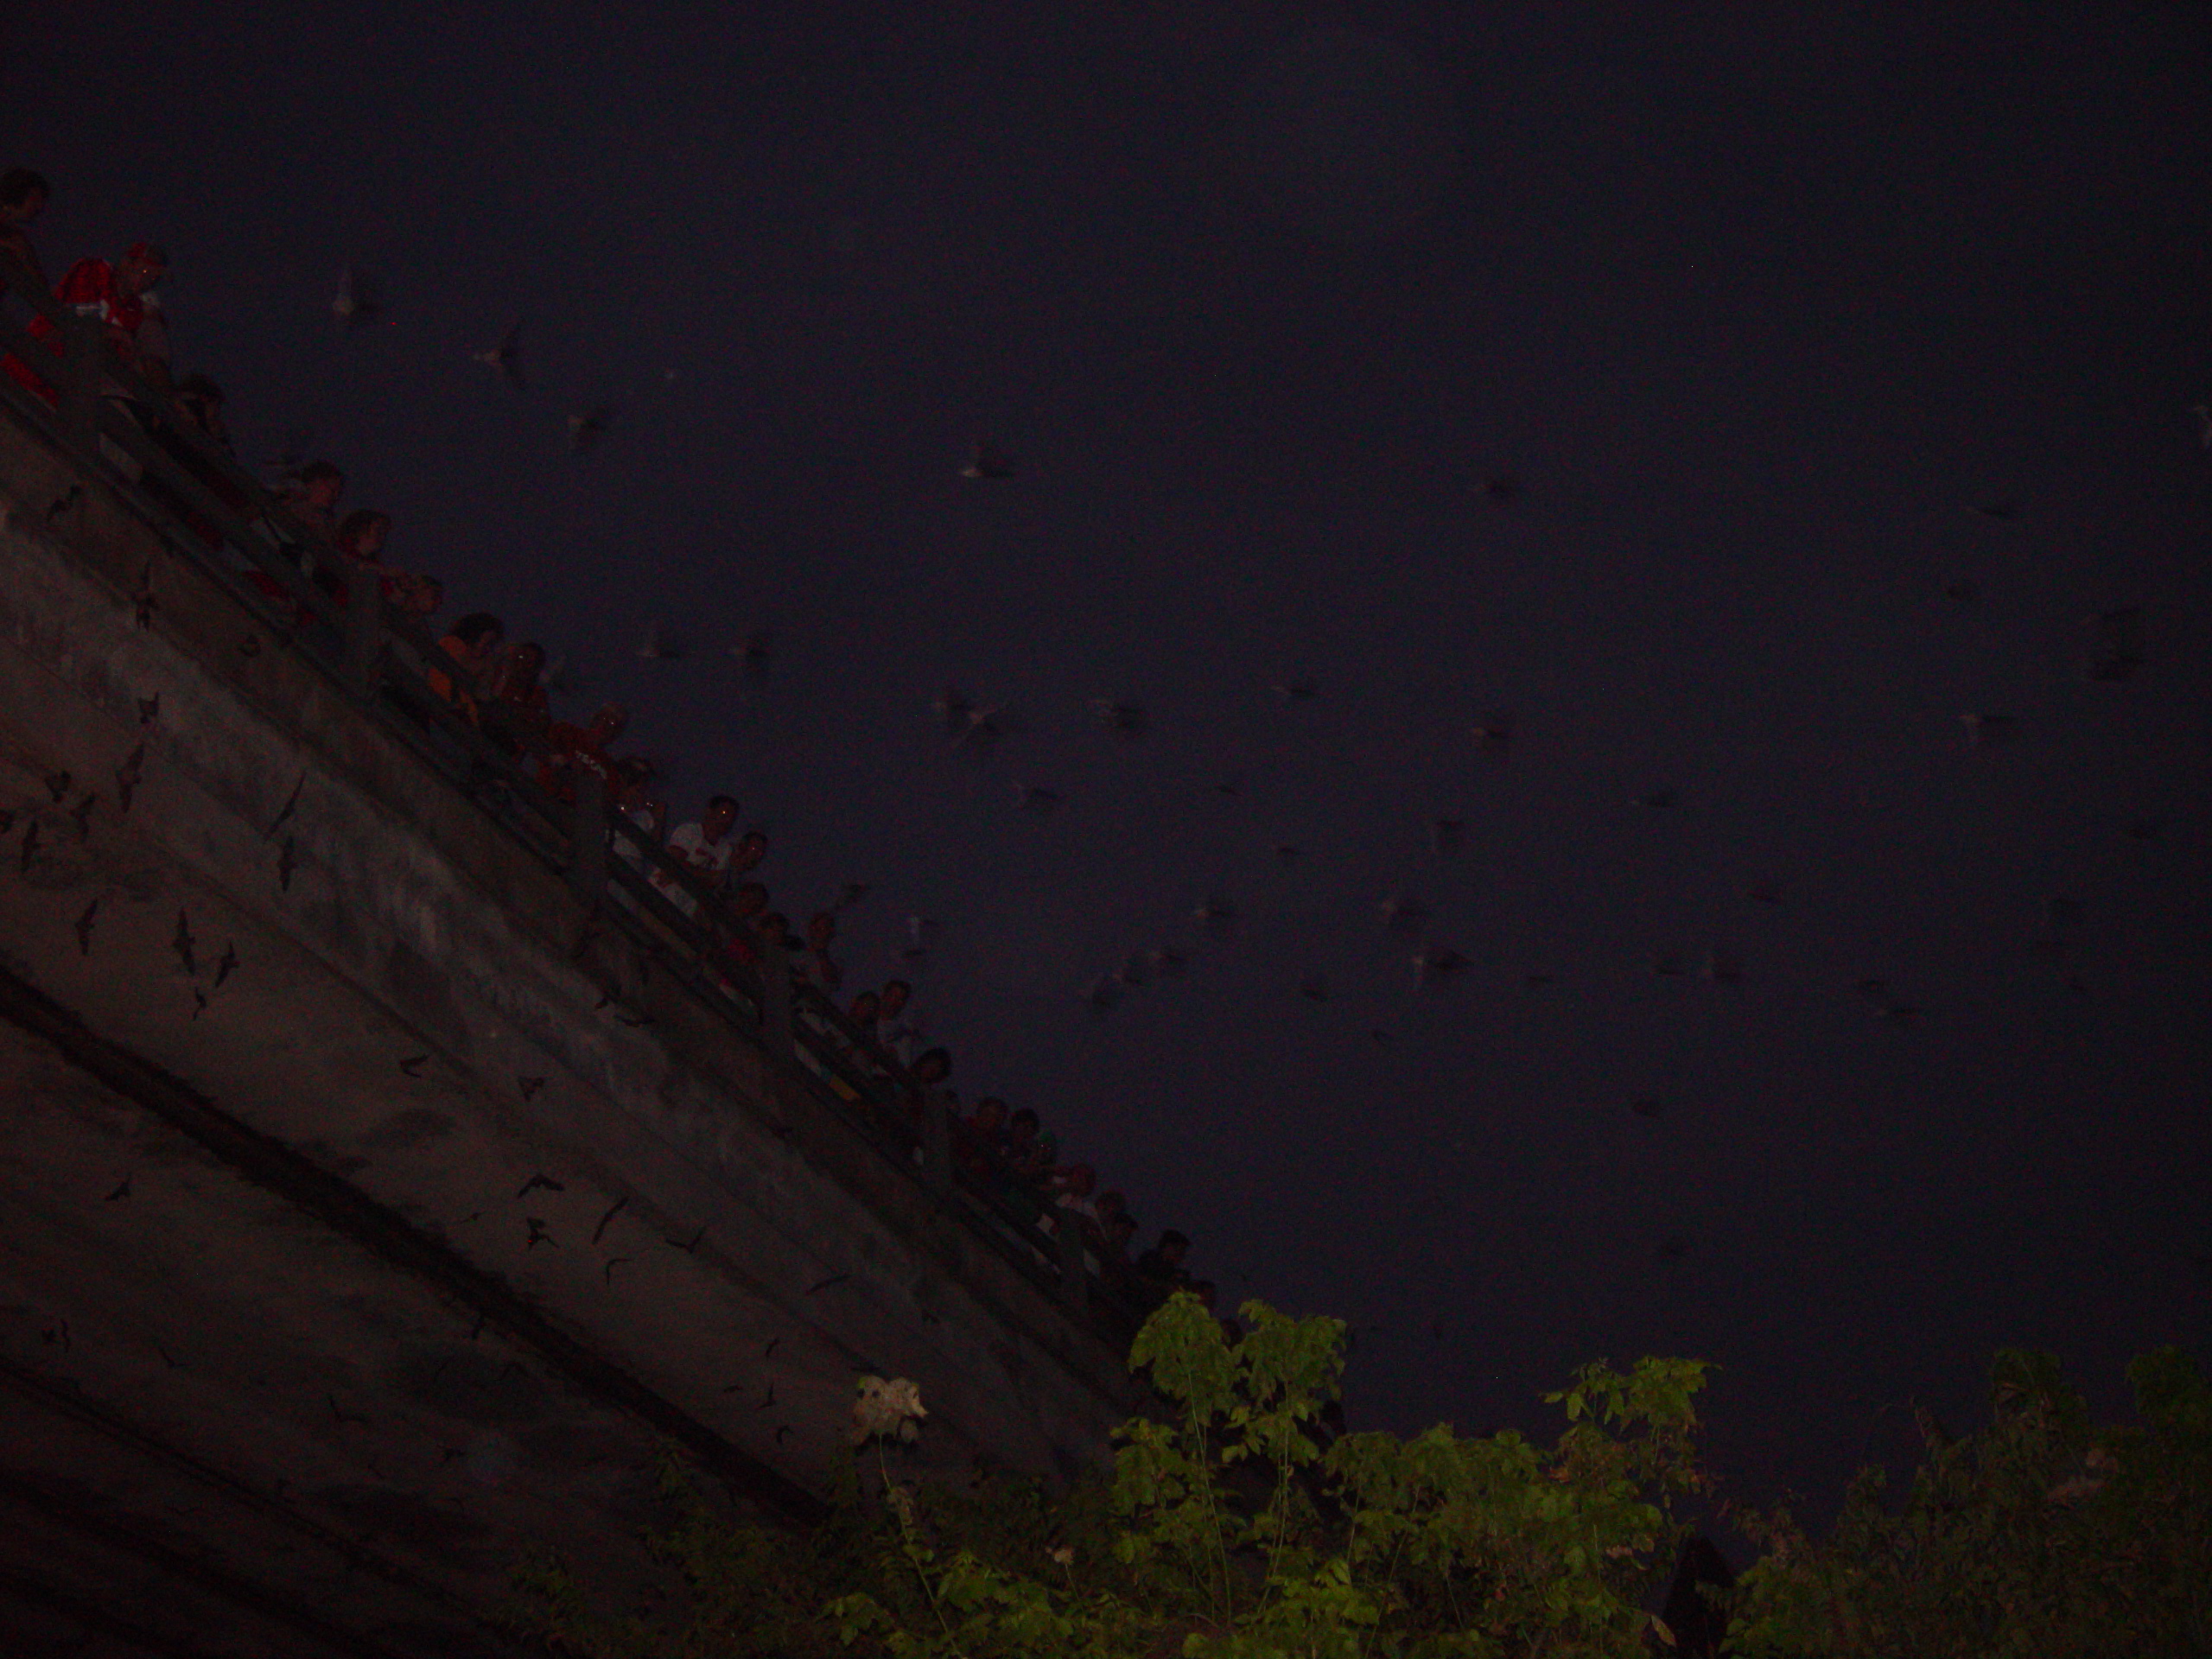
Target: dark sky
[{"x": 1761, "y": 314}]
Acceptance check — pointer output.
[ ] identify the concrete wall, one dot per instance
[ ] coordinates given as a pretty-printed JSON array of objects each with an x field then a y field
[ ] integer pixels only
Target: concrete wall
[{"x": 712, "y": 1253}]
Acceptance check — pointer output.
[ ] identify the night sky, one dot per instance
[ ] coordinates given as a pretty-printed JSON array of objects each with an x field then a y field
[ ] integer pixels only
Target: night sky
[{"x": 1844, "y": 358}]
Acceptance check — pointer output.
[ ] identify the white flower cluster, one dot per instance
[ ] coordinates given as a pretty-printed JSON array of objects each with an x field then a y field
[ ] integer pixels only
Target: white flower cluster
[{"x": 891, "y": 1409}]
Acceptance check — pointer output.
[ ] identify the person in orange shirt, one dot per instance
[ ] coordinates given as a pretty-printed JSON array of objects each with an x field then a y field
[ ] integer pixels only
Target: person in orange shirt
[{"x": 471, "y": 643}]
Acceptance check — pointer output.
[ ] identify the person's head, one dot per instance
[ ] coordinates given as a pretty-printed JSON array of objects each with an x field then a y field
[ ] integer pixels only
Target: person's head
[
  {"x": 23, "y": 195},
  {"x": 1173, "y": 1247},
  {"x": 199, "y": 400},
  {"x": 990, "y": 1114},
  {"x": 821, "y": 929},
  {"x": 525, "y": 661},
  {"x": 1120, "y": 1228},
  {"x": 321, "y": 484},
  {"x": 143, "y": 264},
  {"x": 863, "y": 1009},
  {"x": 606, "y": 725},
  {"x": 721, "y": 814},
  {"x": 751, "y": 898},
  {"x": 1082, "y": 1178},
  {"x": 932, "y": 1067},
  {"x": 777, "y": 926},
  {"x": 424, "y": 597},
  {"x": 1111, "y": 1203},
  {"x": 751, "y": 847},
  {"x": 479, "y": 634},
  {"x": 1203, "y": 1290},
  {"x": 363, "y": 531},
  {"x": 894, "y": 998},
  {"x": 635, "y": 773}
]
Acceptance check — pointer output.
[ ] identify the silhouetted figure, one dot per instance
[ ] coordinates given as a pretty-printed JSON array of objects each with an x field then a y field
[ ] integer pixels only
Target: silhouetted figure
[
  {"x": 23, "y": 196},
  {"x": 1701, "y": 1572}
]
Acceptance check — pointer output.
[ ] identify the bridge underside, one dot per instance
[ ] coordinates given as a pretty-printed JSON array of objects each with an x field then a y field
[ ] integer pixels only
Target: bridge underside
[{"x": 226, "y": 1425}]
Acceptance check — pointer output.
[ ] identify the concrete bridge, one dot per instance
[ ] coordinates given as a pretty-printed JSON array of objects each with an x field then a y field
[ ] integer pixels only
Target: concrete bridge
[{"x": 378, "y": 1183}]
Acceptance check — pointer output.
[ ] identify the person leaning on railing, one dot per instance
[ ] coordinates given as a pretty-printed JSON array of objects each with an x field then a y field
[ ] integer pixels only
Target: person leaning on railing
[
  {"x": 1160, "y": 1271},
  {"x": 514, "y": 712},
  {"x": 931, "y": 1071},
  {"x": 977, "y": 1140},
  {"x": 894, "y": 1034},
  {"x": 198, "y": 402},
  {"x": 815, "y": 963},
  {"x": 115, "y": 297},
  {"x": 312, "y": 494},
  {"x": 576, "y": 753},
  {"x": 705, "y": 848},
  {"x": 471, "y": 643},
  {"x": 306, "y": 520}
]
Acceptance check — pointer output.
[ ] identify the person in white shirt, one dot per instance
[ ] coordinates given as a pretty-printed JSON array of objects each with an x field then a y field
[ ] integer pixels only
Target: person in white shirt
[
  {"x": 705, "y": 846},
  {"x": 646, "y": 812}
]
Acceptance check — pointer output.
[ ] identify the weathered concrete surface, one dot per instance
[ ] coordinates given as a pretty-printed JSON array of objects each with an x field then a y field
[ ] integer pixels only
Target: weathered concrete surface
[{"x": 264, "y": 1292}]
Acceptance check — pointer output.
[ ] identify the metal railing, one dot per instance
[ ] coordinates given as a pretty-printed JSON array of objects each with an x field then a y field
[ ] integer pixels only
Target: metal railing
[{"x": 121, "y": 429}]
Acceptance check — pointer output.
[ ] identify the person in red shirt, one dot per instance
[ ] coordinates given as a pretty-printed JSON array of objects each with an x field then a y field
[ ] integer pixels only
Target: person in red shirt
[
  {"x": 116, "y": 297},
  {"x": 580, "y": 750}
]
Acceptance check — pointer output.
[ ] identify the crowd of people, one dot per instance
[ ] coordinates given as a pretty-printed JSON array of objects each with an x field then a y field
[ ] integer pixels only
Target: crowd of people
[{"x": 497, "y": 686}]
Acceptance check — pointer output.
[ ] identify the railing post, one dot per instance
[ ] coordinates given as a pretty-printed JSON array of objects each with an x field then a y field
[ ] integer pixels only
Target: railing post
[
  {"x": 365, "y": 639},
  {"x": 775, "y": 999},
  {"x": 80, "y": 345},
  {"x": 587, "y": 857},
  {"x": 1075, "y": 1289}
]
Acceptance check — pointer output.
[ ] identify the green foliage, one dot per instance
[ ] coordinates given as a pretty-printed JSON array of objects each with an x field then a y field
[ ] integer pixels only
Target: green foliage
[
  {"x": 2038, "y": 1535},
  {"x": 1232, "y": 1526}
]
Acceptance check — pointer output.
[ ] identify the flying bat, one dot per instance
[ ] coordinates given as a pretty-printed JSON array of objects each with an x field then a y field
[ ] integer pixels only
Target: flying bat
[
  {"x": 586, "y": 427},
  {"x": 354, "y": 303},
  {"x": 1122, "y": 719},
  {"x": 505, "y": 359},
  {"x": 985, "y": 461}
]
